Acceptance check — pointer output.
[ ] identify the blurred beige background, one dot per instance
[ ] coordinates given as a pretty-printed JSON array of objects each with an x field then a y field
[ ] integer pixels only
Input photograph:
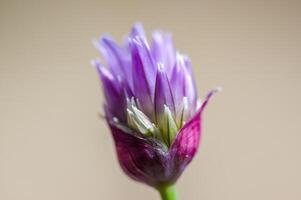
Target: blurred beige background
[{"x": 53, "y": 146}]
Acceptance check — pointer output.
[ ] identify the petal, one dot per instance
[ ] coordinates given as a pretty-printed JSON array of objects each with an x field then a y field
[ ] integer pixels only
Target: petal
[
  {"x": 119, "y": 62},
  {"x": 209, "y": 96},
  {"x": 120, "y": 58},
  {"x": 187, "y": 141},
  {"x": 163, "y": 50},
  {"x": 182, "y": 82},
  {"x": 182, "y": 112},
  {"x": 141, "y": 80},
  {"x": 115, "y": 101},
  {"x": 114, "y": 56},
  {"x": 138, "y": 30},
  {"x": 163, "y": 94},
  {"x": 142, "y": 159},
  {"x": 178, "y": 80},
  {"x": 147, "y": 61},
  {"x": 190, "y": 90}
]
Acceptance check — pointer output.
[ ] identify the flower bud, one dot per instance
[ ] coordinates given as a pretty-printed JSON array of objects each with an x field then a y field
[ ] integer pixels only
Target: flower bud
[{"x": 151, "y": 106}]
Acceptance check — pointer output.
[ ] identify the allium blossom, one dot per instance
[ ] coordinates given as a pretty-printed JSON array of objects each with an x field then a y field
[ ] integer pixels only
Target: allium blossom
[{"x": 151, "y": 105}]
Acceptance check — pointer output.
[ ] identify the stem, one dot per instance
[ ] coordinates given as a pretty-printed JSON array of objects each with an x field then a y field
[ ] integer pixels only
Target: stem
[{"x": 168, "y": 192}]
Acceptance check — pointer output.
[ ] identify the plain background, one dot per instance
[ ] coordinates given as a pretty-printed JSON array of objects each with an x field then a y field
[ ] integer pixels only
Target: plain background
[{"x": 53, "y": 146}]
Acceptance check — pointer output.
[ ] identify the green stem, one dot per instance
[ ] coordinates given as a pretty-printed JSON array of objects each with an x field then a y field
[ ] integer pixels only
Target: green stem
[{"x": 168, "y": 192}]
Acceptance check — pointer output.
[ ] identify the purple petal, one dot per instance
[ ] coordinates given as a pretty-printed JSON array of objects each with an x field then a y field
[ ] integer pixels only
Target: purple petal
[
  {"x": 119, "y": 56},
  {"x": 190, "y": 90},
  {"x": 119, "y": 62},
  {"x": 115, "y": 100},
  {"x": 163, "y": 94},
  {"x": 163, "y": 50},
  {"x": 178, "y": 80},
  {"x": 147, "y": 62},
  {"x": 142, "y": 76},
  {"x": 138, "y": 31},
  {"x": 114, "y": 56}
]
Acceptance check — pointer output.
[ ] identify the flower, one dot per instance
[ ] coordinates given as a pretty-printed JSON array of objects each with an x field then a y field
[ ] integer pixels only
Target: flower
[{"x": 151, "y": 106}]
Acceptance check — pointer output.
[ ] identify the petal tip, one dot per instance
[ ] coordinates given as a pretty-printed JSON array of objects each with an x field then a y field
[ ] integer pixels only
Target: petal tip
[
  {"x": 209, "y": 95},
  {"x": 217, "y": 89}
]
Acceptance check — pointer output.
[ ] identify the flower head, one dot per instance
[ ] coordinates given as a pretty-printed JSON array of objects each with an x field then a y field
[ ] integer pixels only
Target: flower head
[{"x": 151, "y": 105}]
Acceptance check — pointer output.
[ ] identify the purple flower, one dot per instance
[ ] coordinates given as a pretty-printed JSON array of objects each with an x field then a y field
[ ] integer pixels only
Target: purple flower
[{"x": 151, "y": 105}]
